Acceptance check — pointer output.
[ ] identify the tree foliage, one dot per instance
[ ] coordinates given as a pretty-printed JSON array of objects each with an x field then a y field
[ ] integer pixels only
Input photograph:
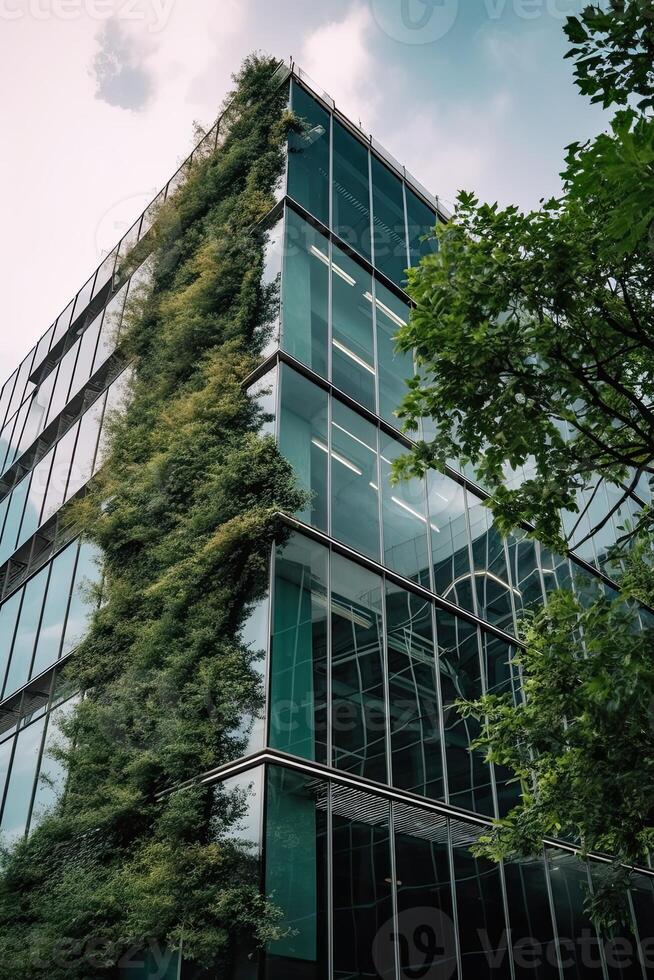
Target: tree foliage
[
  {"x": 534, "y": 334},
  {"x": 185, "y": 513}
]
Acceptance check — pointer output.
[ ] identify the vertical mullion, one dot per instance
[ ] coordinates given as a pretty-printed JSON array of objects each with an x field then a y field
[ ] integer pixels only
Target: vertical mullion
[
  {"x": 555, "y": 930},
  {"x": 507, "y": 920},
  {"x": 394, "y": 900},
  {"x": 455, "y": 905},
  {"x": 330, "y": 884},
  {"x": 439, "y": 695}
]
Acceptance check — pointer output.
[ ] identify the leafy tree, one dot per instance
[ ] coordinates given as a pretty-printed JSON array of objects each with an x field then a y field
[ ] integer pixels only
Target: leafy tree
[{"x": 534, "y": 333}]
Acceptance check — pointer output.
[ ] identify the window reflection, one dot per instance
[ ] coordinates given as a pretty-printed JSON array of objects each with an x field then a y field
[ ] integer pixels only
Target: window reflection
[
  {"x": 296, "y": 874},
  {"x": 308, "y": 155},
  {"x": 305, "y": 293},
  {"x": 395, "y": 369},
  {"x": 351, "y": 191},
  {"x": 413, "y": 694},
  {"x": 362, "y": 884},
  {"x": 353, "y": 356},
  {"x": 355, "y": 480},
  {"x": 469, "y": 777},
  {"x": 358, "y": 706},
  {"x": 303, "y": 439},
  {"x": 405, "y": 523},
  {"x": 388, "y": 222},
  {"x": 532, "y": 928},
  {"x": 298, "y": 684},
  {"x": 449, "y": 540},
  {"x": 483, "y": 931}
]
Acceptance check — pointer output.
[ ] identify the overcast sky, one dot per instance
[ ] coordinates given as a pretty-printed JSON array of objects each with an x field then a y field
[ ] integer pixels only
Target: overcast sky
[{"x": 99, "y": 97}]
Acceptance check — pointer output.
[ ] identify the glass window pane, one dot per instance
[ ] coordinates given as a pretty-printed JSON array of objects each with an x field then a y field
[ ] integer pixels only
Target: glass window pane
[
  {"x": 8, "y": 618},
  {"x": 28, "y": 626},
  {"x": 578, "y": 942},
  {"x": 642, "y": 896},
  {"x": 414, "y": 701},
  {"x": 362, "y": 884},
  {"x": 502, "y": 677},
  {"x": 5, "y": 397},
  {"x": 21, "y": 782},
  {"x": 303, "y": 440},
  {"x": 427, "y": 940},
  {"x": 388, "y": 223},
  {"x": 110, "y": 329},
  {"x": 620, "y": 944},
  {"x": 83, "y": 297},
  {"x": 87, "y": 441},
  {"x": 406, "y": 548},
  {"x": 52, "y": 774},
  {"x": 84, "y": 366},
  {"x": 532, "y": 930},
  {"x": 351, "y": 198},
  {"x": 62, "y": 384},
  {"x": 37, "y": 414},
  {"x": 17, "y": 427},
  {"x": 482, "y": 925},
  {"x": 22, "y": 386},
  {"x": 60, "y": 473},
  {"x": 524, "y": 571},
  {"x": 271, "y": 282},
  {"x": 38, "y": 488},
  {"x": 308, "y": 156},
  {"x": 54, "y": 610},
  {"x": 15, "y": 508},
  {"x": 493, "y": 587},
  {"x": 421, "y": 221},
  {"x": 296, "y": 874},
  {"x": 83, "y": 602},
  {"x": 358, "y": 709},
  {"x": 469, "y": 778},
  {"x": 395, "y": 369},
  {"x": 353, "y": 357},
  {"x": 449, "y": 540},
  {"x": 298, "y": 684},
  {"x": 355, "y": 483},
  {"x": 264, "y": 393},
  {"x": 305, "y": 294}
]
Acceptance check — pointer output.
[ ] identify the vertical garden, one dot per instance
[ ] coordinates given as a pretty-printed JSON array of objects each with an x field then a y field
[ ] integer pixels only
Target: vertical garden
[{"x": 184, "y": 512}]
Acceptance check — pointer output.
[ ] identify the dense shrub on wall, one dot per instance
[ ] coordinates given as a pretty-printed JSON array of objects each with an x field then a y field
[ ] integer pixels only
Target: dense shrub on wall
[{"x": 184, "y": 511}]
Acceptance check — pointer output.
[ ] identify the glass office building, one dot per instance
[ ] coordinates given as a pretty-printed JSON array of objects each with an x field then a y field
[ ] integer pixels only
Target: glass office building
[{"x": 387, "y": 603}]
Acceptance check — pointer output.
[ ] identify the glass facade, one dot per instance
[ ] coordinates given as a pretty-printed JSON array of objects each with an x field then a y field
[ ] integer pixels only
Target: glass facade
[{"x": 388, "y": 603}]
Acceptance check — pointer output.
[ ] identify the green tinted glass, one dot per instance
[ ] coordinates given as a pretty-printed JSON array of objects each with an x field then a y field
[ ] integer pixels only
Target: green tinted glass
[
  {"x": 358, "y": 710},
  {"x": 305, "y": 293},
  {"x": 308, "y": 155},
  {"x": 388, "y": 223},
  {"x": 353, "y": 352},
  {"x": 299, "y": 650},
  {"x": 303, "y": 440},
  {"x": 351, "y": 198}
]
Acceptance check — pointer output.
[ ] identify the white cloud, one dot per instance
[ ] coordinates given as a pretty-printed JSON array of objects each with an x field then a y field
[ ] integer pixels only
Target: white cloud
[{"x": 338, "y": 56}]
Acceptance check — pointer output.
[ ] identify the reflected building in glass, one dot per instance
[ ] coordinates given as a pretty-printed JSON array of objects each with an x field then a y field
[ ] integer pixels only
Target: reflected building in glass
[{"x": 387, "y": 604}]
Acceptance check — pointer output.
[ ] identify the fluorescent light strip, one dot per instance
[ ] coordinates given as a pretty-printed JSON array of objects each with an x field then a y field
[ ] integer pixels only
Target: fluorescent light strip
[
  {"x": 343, "y": 274},
  {"x": 339, "y": 459},
  {"x": 387, "y": 310},
  {"x": 319, "y": 255},
  {"x": 352, "y": 436},
  {"x": 414, "y": 513},
  {"x": 337, "y": 269},
  {"x": 355, "y": 357}
]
